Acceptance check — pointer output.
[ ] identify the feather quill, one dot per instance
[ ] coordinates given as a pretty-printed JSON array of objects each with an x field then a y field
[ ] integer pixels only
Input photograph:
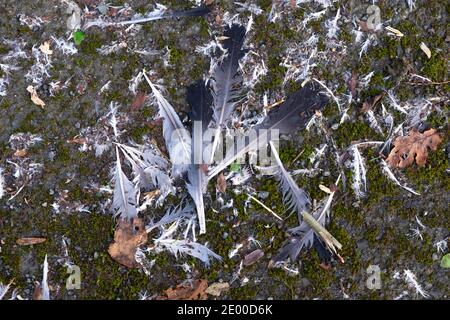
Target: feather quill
[
  {"x": 291, "y": 115},
  {"x": 44, "y": 284},
  {"x": 304, "y": 235},
  {"x": 125, "y": 193},
  {"x": 226, "y": 80},
  {"x": 177, "y": 138},
  {"x": 4, "y": 289},
  {"x": 295, "y": 197},
  {"x": 2, "y": 184},
  {"x": 160, "y": 12},
  {"x": 199, "y": 99}
]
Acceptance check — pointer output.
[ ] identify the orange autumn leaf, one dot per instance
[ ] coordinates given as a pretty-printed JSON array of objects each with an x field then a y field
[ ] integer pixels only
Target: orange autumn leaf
[{"x": 413, "y": 146}]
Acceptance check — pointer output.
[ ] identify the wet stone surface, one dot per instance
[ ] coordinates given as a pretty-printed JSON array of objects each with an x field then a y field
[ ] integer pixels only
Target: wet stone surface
[{"x": 57, "y": 161}]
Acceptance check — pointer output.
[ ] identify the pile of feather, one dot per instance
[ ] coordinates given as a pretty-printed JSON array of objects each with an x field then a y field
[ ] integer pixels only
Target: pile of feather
[{"x": 213, "y": 103}]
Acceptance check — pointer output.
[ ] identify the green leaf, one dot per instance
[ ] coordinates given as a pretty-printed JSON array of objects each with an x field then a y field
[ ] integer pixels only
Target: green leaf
[
  {"x": 78, "y": 37},
  {"x": 235, "y": 167},
  {"x": 445, "y": 262}
]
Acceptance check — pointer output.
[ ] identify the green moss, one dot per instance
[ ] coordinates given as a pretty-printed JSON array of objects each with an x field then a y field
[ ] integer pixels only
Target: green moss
[
  {"x": 91, "y": 43},
  {"x": 320, "y": 279},
  {"x": 433, "y": 173},
  {"x": 349, "y": 132},
  {"x": 246, "y": 292},
  {"x": 436, "y": 68},
  {"x": 176, "y": 56}
]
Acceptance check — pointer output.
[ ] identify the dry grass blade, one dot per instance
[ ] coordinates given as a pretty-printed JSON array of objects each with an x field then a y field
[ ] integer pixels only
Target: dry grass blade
[{"x": 30, "y": 241}]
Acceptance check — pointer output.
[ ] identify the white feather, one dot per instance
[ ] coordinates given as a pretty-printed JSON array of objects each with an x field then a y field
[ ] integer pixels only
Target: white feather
[
  {"x": 178, "y": 139},
  {"x": 2, "y": 184},
  {"x": 359, "y": 184},
  {"x": 392, "y": 177},
  {"x": 44, "y": 284},
  {"x": 186, "y": 247}
]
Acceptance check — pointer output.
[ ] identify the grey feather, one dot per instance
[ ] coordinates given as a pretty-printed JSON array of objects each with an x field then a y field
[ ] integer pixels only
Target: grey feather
[
  {"x": 178, "y": 139},
  {"x": 160, "y": 12},
  {"x": 187, "y": 247},
  {"x": 171, "y": 215},
  {"x": 125, "y": 193},
  {"x": 291, "y": 115},
  {"x": 149, "y": 169},
  {"x": 196, "y": 187},
  {"x": 303, "y": 235},
  {"x": 44, "y": 283}
]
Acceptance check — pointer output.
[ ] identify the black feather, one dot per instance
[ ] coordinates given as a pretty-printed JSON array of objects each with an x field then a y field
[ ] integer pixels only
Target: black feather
[
  {"x": 199, "y": 99},
  {"x": 324, "y": 254},
  {"x": 296, "y": 111},
  {"x": 289, "y": 250},
  {"x": 194, "y": 12},
  {"x": 292, "y": 115}
]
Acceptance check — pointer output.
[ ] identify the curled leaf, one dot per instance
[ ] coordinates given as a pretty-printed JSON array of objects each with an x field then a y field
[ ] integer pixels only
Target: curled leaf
[
  {"x": 252, "y": 257},
  {"x": 395, "y": 32},
  {"x": 45, "y": 48},
  {"x": 194, "y": 290},
  {"x": 34, "y": 97},
  {"x": 221, "y": 184},
  {"x": 426, "y": 50},
  {"x": 128, "y": 236},
  {"x": 217, "y": 288}
]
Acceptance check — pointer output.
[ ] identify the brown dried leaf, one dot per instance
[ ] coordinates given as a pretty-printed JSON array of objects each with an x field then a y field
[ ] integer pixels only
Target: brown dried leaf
[
  {"x": 20, "y": 153},
  {"x": 217, "y": 288},
  {"x": 252, "y": 257},
  {"x": 77, "y": 140},
  {"x": 353, "y": 83},
  {"x": 37, "y": 293},
  {"x": 365, "y": 27},
  {"x": 413, "y": 146},
  {"x": 30, "y": 241},
  {"x": 152, "y": 194},
  {"x": 128, "y": 237},
  {"x": 186, "y": 291},
  {"x": 138, "y": 101},
  {"x": 369, "y": 105},
  {"x": 221, "y": 184}
]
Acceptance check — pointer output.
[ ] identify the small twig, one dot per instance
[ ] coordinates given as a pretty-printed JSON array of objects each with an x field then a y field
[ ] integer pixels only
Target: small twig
[
  {"x": 265, "y": 207},
  {"x": 296, "y": 158},
  {"x": 274, "y": 104},
  {"x": 12, "y": 197},
  {"x": 428, "y": 83}
]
